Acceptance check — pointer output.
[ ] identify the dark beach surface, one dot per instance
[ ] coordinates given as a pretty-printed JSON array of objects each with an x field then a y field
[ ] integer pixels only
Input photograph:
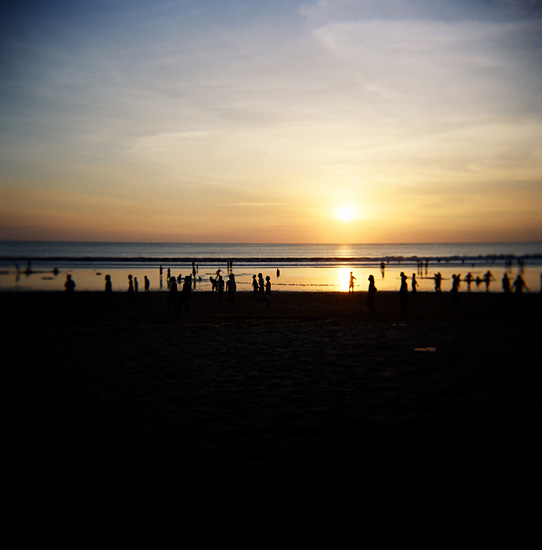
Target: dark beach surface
[{"x": 312, "y": 402}]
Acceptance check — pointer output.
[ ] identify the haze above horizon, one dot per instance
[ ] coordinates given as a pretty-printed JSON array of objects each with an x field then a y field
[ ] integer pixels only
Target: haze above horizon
[{"x": 316, "y": 121}]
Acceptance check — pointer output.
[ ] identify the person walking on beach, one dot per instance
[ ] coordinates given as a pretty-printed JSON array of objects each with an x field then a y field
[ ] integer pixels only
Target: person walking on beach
[
  {"x": 131, "y": 291},
  {"x": 108, "y": 291},
  {"x": 351, "y": 282},
  {"x": 136, "y": 285},
  {"x": 231, "y": 287},
  {"x": 268, "y": 291},
  {"x": 371, "y": 295},
  {"x": 506, "y": 284},
  {"x": 186, "y": 293},
  {"x": 69, "y": 285},
  {"x": 488, "y": 277},
  {"x": 220, "y": 288},
  {"x": 147, "y": 284},
  {"x": 456, "y": 279},
  {"x": 261, "y": 287},
  {"x": 438, "y": 281},
  {"x": 414, "y": 283},
  {"x": 255, "y": 287},
  {"x": 519, "y": 285},
  {"x": 403, "y": 293},
  {"x": 172, "y": 295}
]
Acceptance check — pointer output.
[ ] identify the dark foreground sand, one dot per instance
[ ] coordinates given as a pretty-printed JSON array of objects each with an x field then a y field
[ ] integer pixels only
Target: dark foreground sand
[{"x": 310, "y": 403}]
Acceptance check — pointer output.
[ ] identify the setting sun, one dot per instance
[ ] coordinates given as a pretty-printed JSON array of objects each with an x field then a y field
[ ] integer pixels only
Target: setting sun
[{"x": 345, "y": 213}]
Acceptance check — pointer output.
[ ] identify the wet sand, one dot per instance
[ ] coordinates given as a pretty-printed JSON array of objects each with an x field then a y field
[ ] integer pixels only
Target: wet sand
[{"x": 311, "y": 403}]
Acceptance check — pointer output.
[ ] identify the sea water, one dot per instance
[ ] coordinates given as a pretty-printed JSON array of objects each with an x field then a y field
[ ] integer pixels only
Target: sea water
[{"x": 307, "y": 267}]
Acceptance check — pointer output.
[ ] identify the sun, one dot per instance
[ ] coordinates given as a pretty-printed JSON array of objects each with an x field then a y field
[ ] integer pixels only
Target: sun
[{"x": 345, "y": 213}]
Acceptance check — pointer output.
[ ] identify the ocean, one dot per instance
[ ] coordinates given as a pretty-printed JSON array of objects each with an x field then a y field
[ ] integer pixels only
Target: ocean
[{"x": 308, "y": 267}]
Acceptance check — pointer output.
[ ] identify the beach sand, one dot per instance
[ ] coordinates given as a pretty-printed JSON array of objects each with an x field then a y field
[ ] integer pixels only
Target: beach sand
[{"x": 311, "y": 403}]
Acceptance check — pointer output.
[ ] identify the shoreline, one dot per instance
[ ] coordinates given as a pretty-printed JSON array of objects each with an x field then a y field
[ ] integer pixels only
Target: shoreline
[{"x": 309, "y": 403}]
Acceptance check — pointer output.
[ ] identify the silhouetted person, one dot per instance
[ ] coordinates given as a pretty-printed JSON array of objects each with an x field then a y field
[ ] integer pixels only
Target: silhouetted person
[
  {"x": 456, "y": 279},
  {"x": 147, "y": 284},
  {"x": 403, "y": 293},
  {"x": 414, "y": 283},
  {"x": 231, "y": 287},
  {"x": 371, "y": 295},
  {"x": 136, "y": 285},
  {"x": 172, "y": 295},
  {"x": 186, "y": 293},
  {"x": 351, "y": 282},
  {"x": 69, "y": 285},
  {"x": 131, "y": 292},
  {"x": 255, "y": 287},
  {"x": 519, "y": 285},
  {"x": 278, "y": 272},
  {"x": 108, "y": 292},
  {"x": 438, "y": 281},
  {"x": 488, "y": 277},
  {"x": 261, "y": 287},
  {"x": 220, "y": 289},
  {"x": 268, "y": 291},
  {"x": 506, "y": 284},
  {"x": 469, "y": 278}
]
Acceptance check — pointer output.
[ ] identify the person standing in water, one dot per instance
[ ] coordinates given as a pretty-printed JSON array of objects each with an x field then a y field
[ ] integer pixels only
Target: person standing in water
[{"x": 351, "y": 283}]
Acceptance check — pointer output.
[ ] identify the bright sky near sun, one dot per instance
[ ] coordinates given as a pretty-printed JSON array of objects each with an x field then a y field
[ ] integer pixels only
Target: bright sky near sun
[{"x": 271, "y": 120}]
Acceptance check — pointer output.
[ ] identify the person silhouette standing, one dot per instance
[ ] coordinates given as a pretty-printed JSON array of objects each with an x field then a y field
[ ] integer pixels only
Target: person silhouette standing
[
  {"x": 371, "y": 295},
  {"x": 351, "y": 282},
  {"x": 506, "y": 284},
  {"x": 268, "y": 291},
  {"x": 261, "y": 287},
  {"x": 172, "y": 295},
  {"x": 403, "y": 293},
  {"x": 519, "y": 285},
  {"x": 108, "y": 291},
  {"x": 131, "y": 292},
  {"x": 255, "y": 287},
  {"x": 220, "y": 288},
  {"x": 231, "y": 287},
  {"x": 186, "y": 293},
  {"x": 414, "y": 283},
  {"x": 147, "y": 284}
]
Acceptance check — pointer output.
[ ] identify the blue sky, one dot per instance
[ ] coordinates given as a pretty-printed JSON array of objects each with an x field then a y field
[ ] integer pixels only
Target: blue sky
[{"x": 244, "y": 121}]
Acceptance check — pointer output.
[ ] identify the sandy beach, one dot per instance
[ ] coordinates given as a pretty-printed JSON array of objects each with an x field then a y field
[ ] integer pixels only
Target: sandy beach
[{"x": 312, "y": 402}]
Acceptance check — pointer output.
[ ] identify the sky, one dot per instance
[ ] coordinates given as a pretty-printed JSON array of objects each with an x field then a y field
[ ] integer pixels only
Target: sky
[{"x": 354, "y": 121}]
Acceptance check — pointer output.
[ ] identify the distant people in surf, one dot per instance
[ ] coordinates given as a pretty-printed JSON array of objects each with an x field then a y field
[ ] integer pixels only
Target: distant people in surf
[{"x": 351, "y": 282}]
